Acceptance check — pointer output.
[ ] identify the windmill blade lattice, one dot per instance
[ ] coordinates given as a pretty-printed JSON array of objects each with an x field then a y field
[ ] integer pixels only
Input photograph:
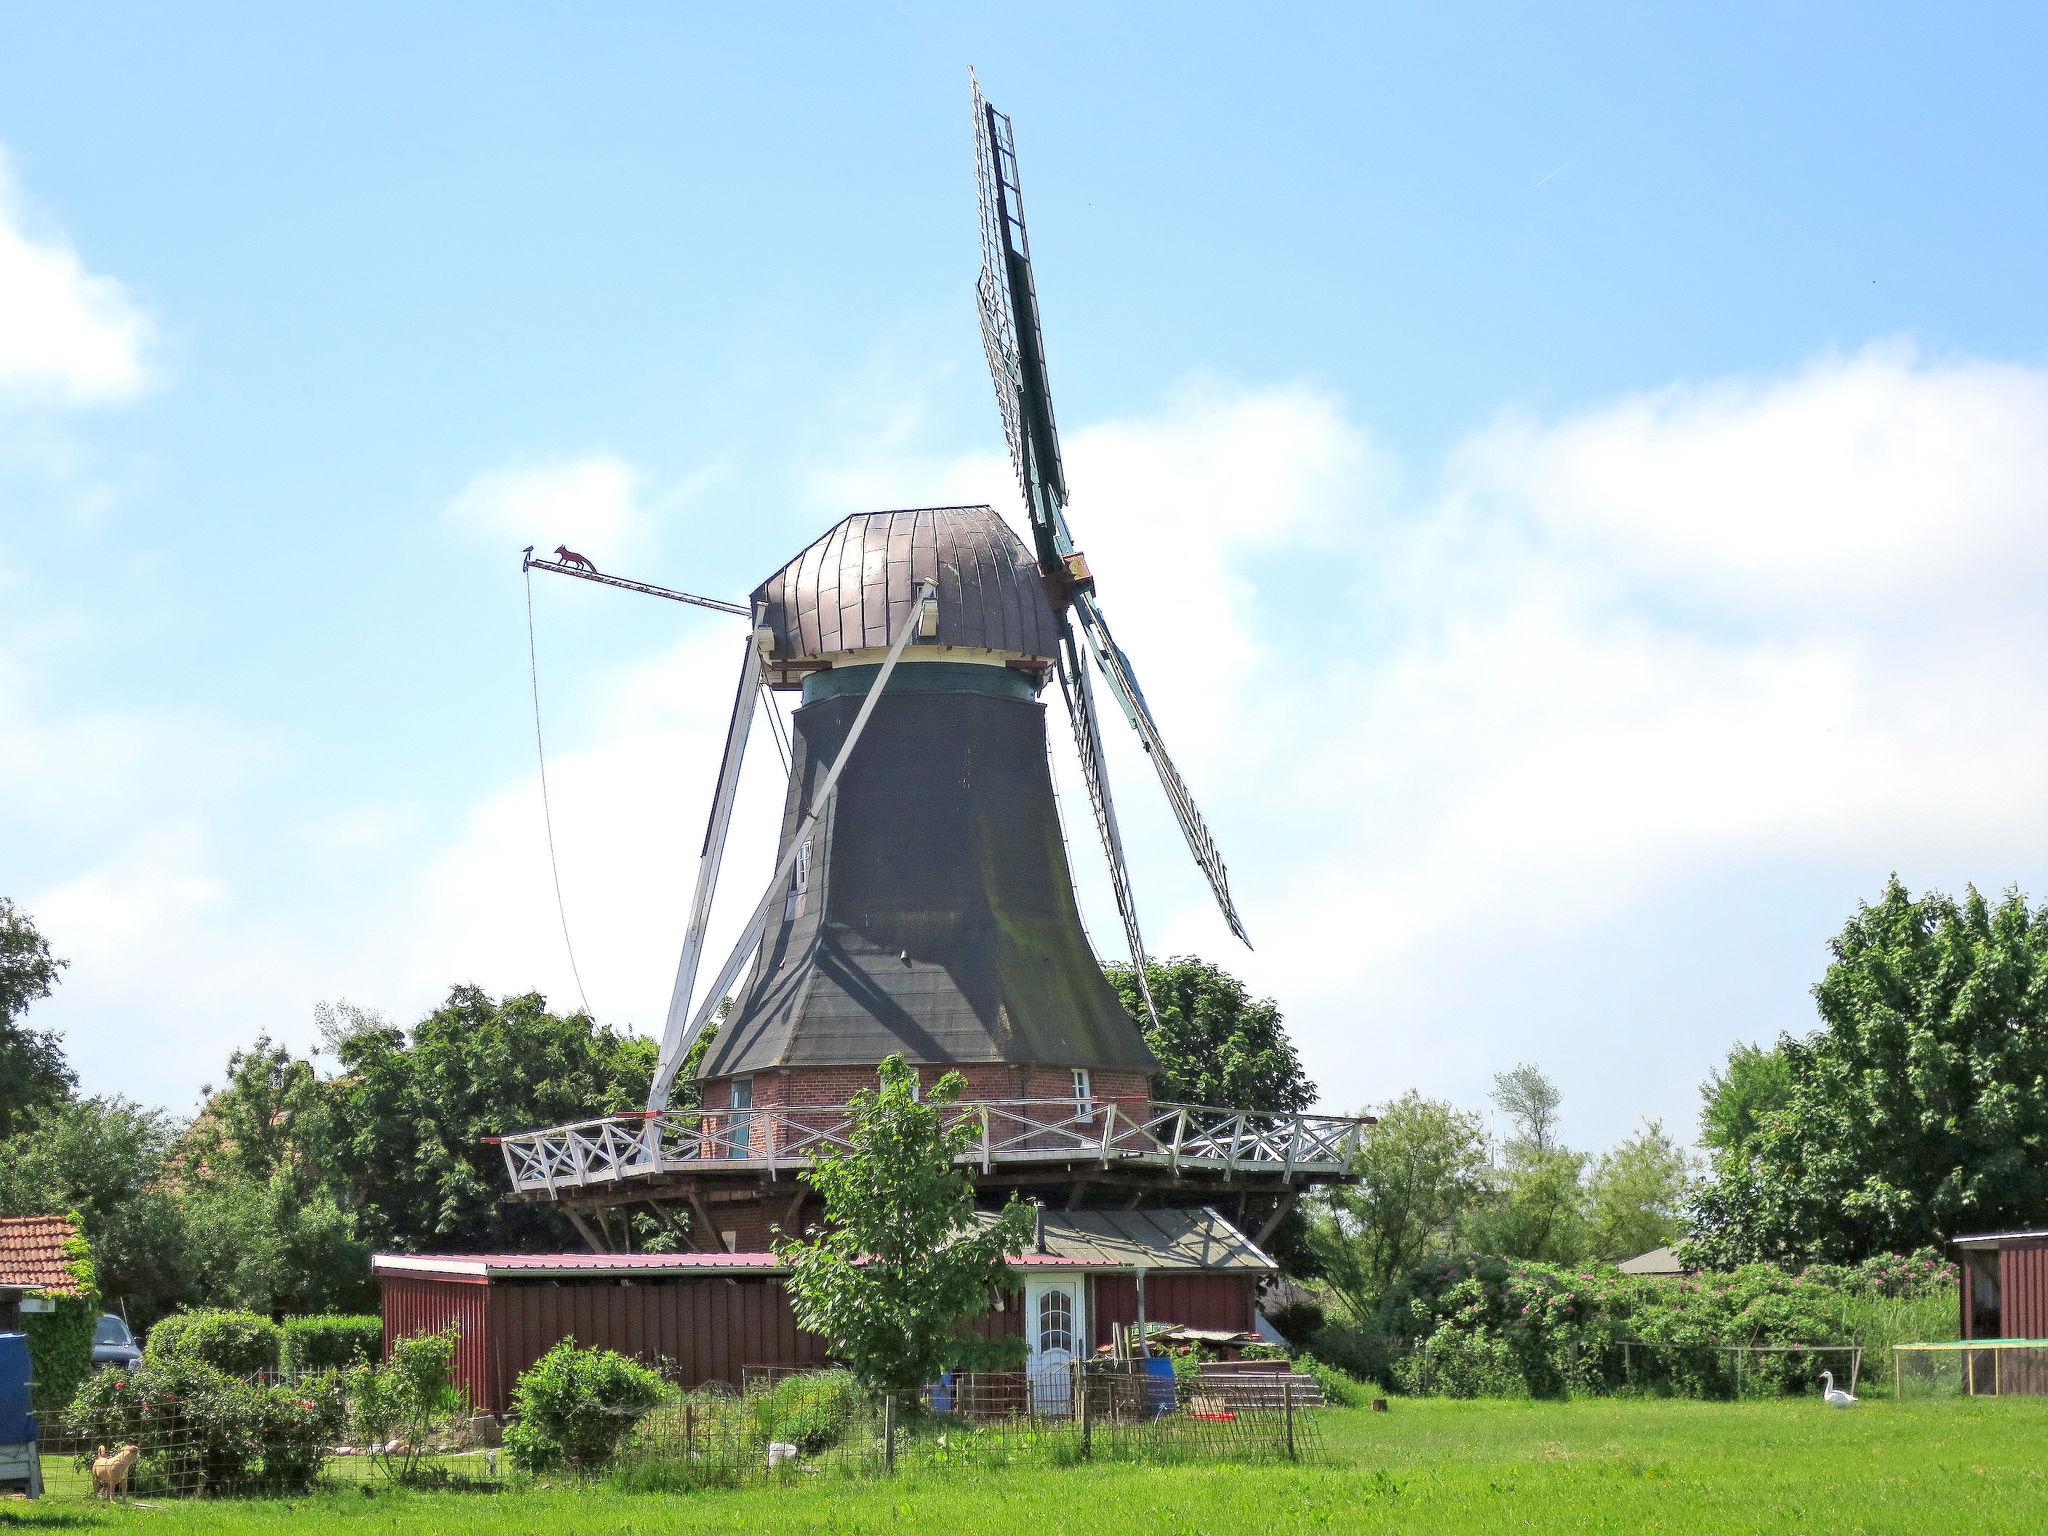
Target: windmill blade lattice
[
  {"x": 1123, "y": 682},
  {"x": 1080, "y": 696},
  {"x": 1007, "y": 297}
]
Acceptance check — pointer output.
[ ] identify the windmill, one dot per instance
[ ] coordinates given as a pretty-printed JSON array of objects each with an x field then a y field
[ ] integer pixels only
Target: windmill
[{"x": 922, "y": 903}]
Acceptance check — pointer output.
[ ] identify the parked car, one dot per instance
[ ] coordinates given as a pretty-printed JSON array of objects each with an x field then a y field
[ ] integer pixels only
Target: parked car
[{"x": 113, "y": 1346}]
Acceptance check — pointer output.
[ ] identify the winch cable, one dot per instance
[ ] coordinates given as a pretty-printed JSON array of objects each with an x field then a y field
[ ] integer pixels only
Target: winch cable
[{"x": 546, "y": 810}]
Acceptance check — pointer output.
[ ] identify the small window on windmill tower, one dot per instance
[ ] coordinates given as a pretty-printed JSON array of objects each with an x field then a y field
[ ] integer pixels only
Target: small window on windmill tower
[
  {"x": 800, "y": 880},
  {"x": 1084, "y": 1092}
]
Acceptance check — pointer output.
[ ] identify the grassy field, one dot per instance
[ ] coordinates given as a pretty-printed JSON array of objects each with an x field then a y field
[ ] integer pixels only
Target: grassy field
[{"x": 1429, "y": 1466}]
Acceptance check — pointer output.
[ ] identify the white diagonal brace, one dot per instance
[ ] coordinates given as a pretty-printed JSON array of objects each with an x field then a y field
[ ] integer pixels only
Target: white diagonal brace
[
  {"x": 750, "y": 937},
  {"x": 710, "y": 856}
]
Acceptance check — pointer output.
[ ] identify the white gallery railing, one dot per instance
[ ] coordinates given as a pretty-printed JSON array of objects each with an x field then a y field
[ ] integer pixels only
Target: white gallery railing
[{"x": 1281, "y": 1145}]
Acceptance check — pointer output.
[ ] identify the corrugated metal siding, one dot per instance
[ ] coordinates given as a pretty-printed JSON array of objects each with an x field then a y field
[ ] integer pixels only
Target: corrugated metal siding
[
  {"x": 697, "y": 1330},
  {"x": 418, "y": 1304},
  {"x": 2023, "y": 1290},
  {"x": 1226, "y": 1302}
]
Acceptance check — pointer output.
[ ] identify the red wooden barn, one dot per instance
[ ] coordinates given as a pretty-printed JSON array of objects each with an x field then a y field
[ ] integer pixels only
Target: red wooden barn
[{"x": 708, "y": 1316}]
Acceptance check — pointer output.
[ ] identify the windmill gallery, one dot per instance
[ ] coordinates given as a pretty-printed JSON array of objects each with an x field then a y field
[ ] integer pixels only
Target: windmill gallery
[{"x": 922, "y": 906}]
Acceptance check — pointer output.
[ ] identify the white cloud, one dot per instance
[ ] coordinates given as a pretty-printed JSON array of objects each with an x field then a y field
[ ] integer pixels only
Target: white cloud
[
  {"x": 65, "y": 332},
  {"x": 1859, "y": 483},
  {"x": 593, "y": 504}
]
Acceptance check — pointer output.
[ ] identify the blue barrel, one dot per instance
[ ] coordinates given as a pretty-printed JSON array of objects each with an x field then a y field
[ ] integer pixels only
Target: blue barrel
[
  {"x": 942, "y": 1393},
  {"x": 16, "y": 1425},
  {"x": 1159, "y": 1390}
]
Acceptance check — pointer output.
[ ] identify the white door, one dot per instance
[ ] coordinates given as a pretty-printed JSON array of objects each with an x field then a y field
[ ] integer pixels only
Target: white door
[{"x": 1057, "y": 1331}]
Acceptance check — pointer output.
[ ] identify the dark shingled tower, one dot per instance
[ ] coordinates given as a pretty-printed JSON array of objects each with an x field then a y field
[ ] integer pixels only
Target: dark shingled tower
[{"x": 933, "y": 913}]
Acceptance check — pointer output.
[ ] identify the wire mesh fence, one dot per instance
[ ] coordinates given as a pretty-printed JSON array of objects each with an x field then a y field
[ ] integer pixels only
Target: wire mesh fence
[
  {"x": 1970, "y": 1368},
  {"x": 1713, "y": 1370},
  {"x": 787, "y": 1425}
]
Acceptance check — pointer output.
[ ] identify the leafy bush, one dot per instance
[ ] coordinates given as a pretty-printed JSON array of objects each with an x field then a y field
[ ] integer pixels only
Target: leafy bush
[
  {"x": 330, "y": 1343},
  {"x": 239, "y": 1343},
  {"x": 1358, "y": 1352},
  {"x": 572, "y": 1407},
  {"x": 400, "y": 1406},
  {"x": 1340, "y": 1388},
  {"x": 811, "y": 1411},
  {"x": 1493, "y": 1327},
  {"x": 198, "y": 1427},
  {"x": 202, "y": 1430},
  {"x": 1921, "y": 1273},
  {"x": 295, "y": 1425}
]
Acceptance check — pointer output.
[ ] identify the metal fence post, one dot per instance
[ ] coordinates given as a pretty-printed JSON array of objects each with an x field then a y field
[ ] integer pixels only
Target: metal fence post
[
  {"x": 689, "y": 1431},
  {"x": 1081, "y": 1407},
  {"x": 1287, "y": 1410},
  {"x": 889, "y": 1433}
]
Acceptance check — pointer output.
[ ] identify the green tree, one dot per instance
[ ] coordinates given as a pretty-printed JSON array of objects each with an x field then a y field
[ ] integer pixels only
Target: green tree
[
  {"x": 1530, "y": 1100},
  {"x": 33, "y": 1072},
  {"x": 1533, "y": 1207},
  {"x": 258, "y": 1121},
  {"x": 405, "y": 1120},
  {"x": 1754, "y": 1081},
  {"x": 1635, "y": 1195},
  {"x": 1419, "y": 1167},
  {"x": 105, "y": 1159},
  {"x": 903, "y": 1260},
  {"x": 1216, "y": 1044},
  {"x": 271, "y": 1226},
  {"x": 1918, "y": 1109}
]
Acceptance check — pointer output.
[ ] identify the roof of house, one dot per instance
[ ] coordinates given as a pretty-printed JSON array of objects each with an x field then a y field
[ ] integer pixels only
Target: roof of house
[
  {"x": 1993, "y": 1239},
  {"x": 1658, "y": 1261},
  {"x": 1099, "y": 1240},
  {"x": 1197, "y": 1239},
  {"x": 34, "y": 1254}
]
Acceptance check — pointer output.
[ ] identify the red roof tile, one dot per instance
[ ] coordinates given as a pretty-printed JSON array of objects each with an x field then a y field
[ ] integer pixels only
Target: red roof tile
[{"x": 32, "y": 1254}]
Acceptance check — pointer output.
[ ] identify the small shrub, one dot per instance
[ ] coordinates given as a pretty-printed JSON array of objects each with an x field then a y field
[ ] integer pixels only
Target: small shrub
[
  {"x": 1340, "y": 1388},
  {"x": 400, "y": 1406},
  {"x": 572, "y": 1407},
  {"x": 329, "y": 1343},
  {"x": 1358, "y": 1352},
  {"x": 811, "y": 1412},
  {"x": 295, "y": 1425},
  {"x": 239, "y": 1343}
]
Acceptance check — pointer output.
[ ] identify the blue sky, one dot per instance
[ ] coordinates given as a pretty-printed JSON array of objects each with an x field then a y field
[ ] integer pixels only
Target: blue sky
[{"x": 1571, "y": 484}]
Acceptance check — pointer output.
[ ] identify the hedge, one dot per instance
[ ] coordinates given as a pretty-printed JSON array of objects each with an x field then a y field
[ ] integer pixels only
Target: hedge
[
  {"x": 239, "y": 1343},
  {"x": 330, "y": 1343}
]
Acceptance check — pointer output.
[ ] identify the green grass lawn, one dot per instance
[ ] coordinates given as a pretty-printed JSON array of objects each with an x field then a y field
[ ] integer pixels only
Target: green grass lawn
[{"x": 1429, "y": 1466}]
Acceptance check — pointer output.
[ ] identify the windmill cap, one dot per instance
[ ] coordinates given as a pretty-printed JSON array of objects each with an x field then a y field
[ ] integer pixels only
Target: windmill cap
[{"x": 851, "y": 590}]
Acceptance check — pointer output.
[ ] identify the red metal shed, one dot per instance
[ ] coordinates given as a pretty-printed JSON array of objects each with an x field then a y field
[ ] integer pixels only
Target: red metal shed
[
  {"x": 707, "y": 1316},
  {"x": 2005, "y": 1285}
]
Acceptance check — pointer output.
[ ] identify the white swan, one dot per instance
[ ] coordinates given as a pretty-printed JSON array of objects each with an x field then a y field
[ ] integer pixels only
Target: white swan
[{"x": 1833, "y": 1395}]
